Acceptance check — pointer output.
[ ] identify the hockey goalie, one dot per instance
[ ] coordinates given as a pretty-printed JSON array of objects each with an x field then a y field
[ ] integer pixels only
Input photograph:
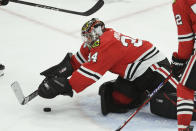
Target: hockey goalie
[{"x": 140, "y": 65}]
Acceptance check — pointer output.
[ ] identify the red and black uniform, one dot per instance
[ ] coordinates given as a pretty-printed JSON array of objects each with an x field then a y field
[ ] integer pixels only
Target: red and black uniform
[
  {"x": 116, "y": 53},
  {"x": 185, "y": 16}
]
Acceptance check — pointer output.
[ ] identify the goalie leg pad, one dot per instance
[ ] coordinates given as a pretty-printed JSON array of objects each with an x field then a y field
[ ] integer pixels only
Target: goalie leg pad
[
  {"x": 164, "y": 104},
  {"x": 126, "y": 87},
  {"x": 107, "y": 103},
  {"x": 113, "y": 98}
]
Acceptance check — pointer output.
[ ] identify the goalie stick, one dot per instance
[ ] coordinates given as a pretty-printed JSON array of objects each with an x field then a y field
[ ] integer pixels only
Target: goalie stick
[
  {"x": 19, "y": 94},
  {"x": 92, "y": 10},
  {"x": 145, "y": 102}
]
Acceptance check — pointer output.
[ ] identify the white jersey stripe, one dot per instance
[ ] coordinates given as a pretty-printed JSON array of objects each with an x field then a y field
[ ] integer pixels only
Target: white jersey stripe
[
  {"x": 195, "y": 43},
  {"x": 149, "y": 50},
  {"x": 179, "y": 98},
  {"x": 160, "y": 72},
  {"x": 185, "y": 102},
  {"x": 86, "y": 75},
  {"x": 184, "y": 112},
  {"x": 78, "y": 59},
  {"x": 82, "y": 57},
  {"x": 185, "y": 107},
  {"x": 186, "y": 37},
  {"x": 182, "y": 126},
  {"x": 159, "y": 69},
  {"x": 173, "y": 83},
  {"x": 126, "y": 71},
  {"x": 90, "y": 71},
  {"x": 133, "y": 66}
]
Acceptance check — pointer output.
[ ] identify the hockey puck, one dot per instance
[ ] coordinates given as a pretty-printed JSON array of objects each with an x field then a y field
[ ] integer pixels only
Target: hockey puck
[{"x": 47, "y": 109}]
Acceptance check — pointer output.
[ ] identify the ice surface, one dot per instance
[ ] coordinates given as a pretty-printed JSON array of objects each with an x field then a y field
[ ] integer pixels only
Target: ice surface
[{"x": 33, "y": 39}]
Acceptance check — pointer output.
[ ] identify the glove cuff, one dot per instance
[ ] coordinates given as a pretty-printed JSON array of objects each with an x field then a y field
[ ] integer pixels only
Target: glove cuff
[{"x": 68, "y": 90}]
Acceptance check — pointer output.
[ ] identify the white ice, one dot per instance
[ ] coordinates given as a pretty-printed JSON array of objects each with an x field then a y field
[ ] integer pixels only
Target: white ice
[{"x": 34, "y": 39}]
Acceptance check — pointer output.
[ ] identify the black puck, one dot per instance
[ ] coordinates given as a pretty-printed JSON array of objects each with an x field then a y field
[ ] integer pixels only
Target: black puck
[{"x": 47, "y": 109}]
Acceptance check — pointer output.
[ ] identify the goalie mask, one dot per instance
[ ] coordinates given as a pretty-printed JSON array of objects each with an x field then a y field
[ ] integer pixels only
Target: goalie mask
[{"x": 91, "y": 31}]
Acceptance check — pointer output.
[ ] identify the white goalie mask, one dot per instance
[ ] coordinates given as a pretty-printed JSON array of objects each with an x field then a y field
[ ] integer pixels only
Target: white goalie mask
[{"x": 91, "y": 31}]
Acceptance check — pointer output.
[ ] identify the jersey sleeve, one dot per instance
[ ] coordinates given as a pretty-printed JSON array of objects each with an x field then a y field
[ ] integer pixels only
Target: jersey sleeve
[
  {"x": 185, "y": 18},
  {"x": 100, "y": 61},
  {"x": 80, "y": 57}
]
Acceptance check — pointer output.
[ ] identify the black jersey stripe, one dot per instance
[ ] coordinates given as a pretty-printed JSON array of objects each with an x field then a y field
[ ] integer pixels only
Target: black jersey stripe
[
  {"x": 186, "y": 37},
  {"x": 89, "y": 74},
  {"x": 129, "y": 71},
  {"x": 146, "y": 57},
  {"x": 185, "y": 104},
  {"x": 143, "y": 58},
  {"x": 152, "y": 55},
  {"x": 179, "y": 110},
  {"x": 143, "y": 61},
  {"x": 78, "y": 55}
]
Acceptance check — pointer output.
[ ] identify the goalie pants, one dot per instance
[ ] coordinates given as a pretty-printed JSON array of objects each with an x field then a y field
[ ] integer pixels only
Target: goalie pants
[{"x": 148, "y": 81}]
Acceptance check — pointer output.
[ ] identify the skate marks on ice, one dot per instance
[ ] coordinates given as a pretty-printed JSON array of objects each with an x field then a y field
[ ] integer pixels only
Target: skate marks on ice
[{"x": 143, "y": 121}]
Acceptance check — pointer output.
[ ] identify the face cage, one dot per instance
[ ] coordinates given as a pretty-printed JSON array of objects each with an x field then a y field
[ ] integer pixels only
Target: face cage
[{"x": 89, "y": 38}]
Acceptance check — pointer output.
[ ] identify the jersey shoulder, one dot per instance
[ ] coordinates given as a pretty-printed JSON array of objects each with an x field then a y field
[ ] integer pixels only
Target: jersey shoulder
[
  {"x": 110, "y": 41},
  {"x": 108, "y": 36}
]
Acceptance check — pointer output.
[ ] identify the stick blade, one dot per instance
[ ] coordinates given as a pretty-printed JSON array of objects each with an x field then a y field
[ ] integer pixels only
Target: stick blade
[
  {"x": 18, "y": 92},
  {"x": 94, "y": 9}
]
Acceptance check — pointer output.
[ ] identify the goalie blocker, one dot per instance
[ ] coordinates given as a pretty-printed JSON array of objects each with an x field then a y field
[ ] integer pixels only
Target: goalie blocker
[{"x": 164, "y": 104}]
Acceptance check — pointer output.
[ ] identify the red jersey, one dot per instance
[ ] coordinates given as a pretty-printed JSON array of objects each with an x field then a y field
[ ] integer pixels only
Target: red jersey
[
  {"x": 114, "y": 52},
  {"x": 185, "y": 16}
]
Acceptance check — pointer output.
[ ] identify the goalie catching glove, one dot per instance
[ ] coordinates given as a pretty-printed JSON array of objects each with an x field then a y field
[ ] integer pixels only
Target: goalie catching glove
[
  {"x": 63, "y": 69},
  {"x": 51, "y": 87},
  {"x": 4, "y": 2},
  {"x": 178, "y": 65}
]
